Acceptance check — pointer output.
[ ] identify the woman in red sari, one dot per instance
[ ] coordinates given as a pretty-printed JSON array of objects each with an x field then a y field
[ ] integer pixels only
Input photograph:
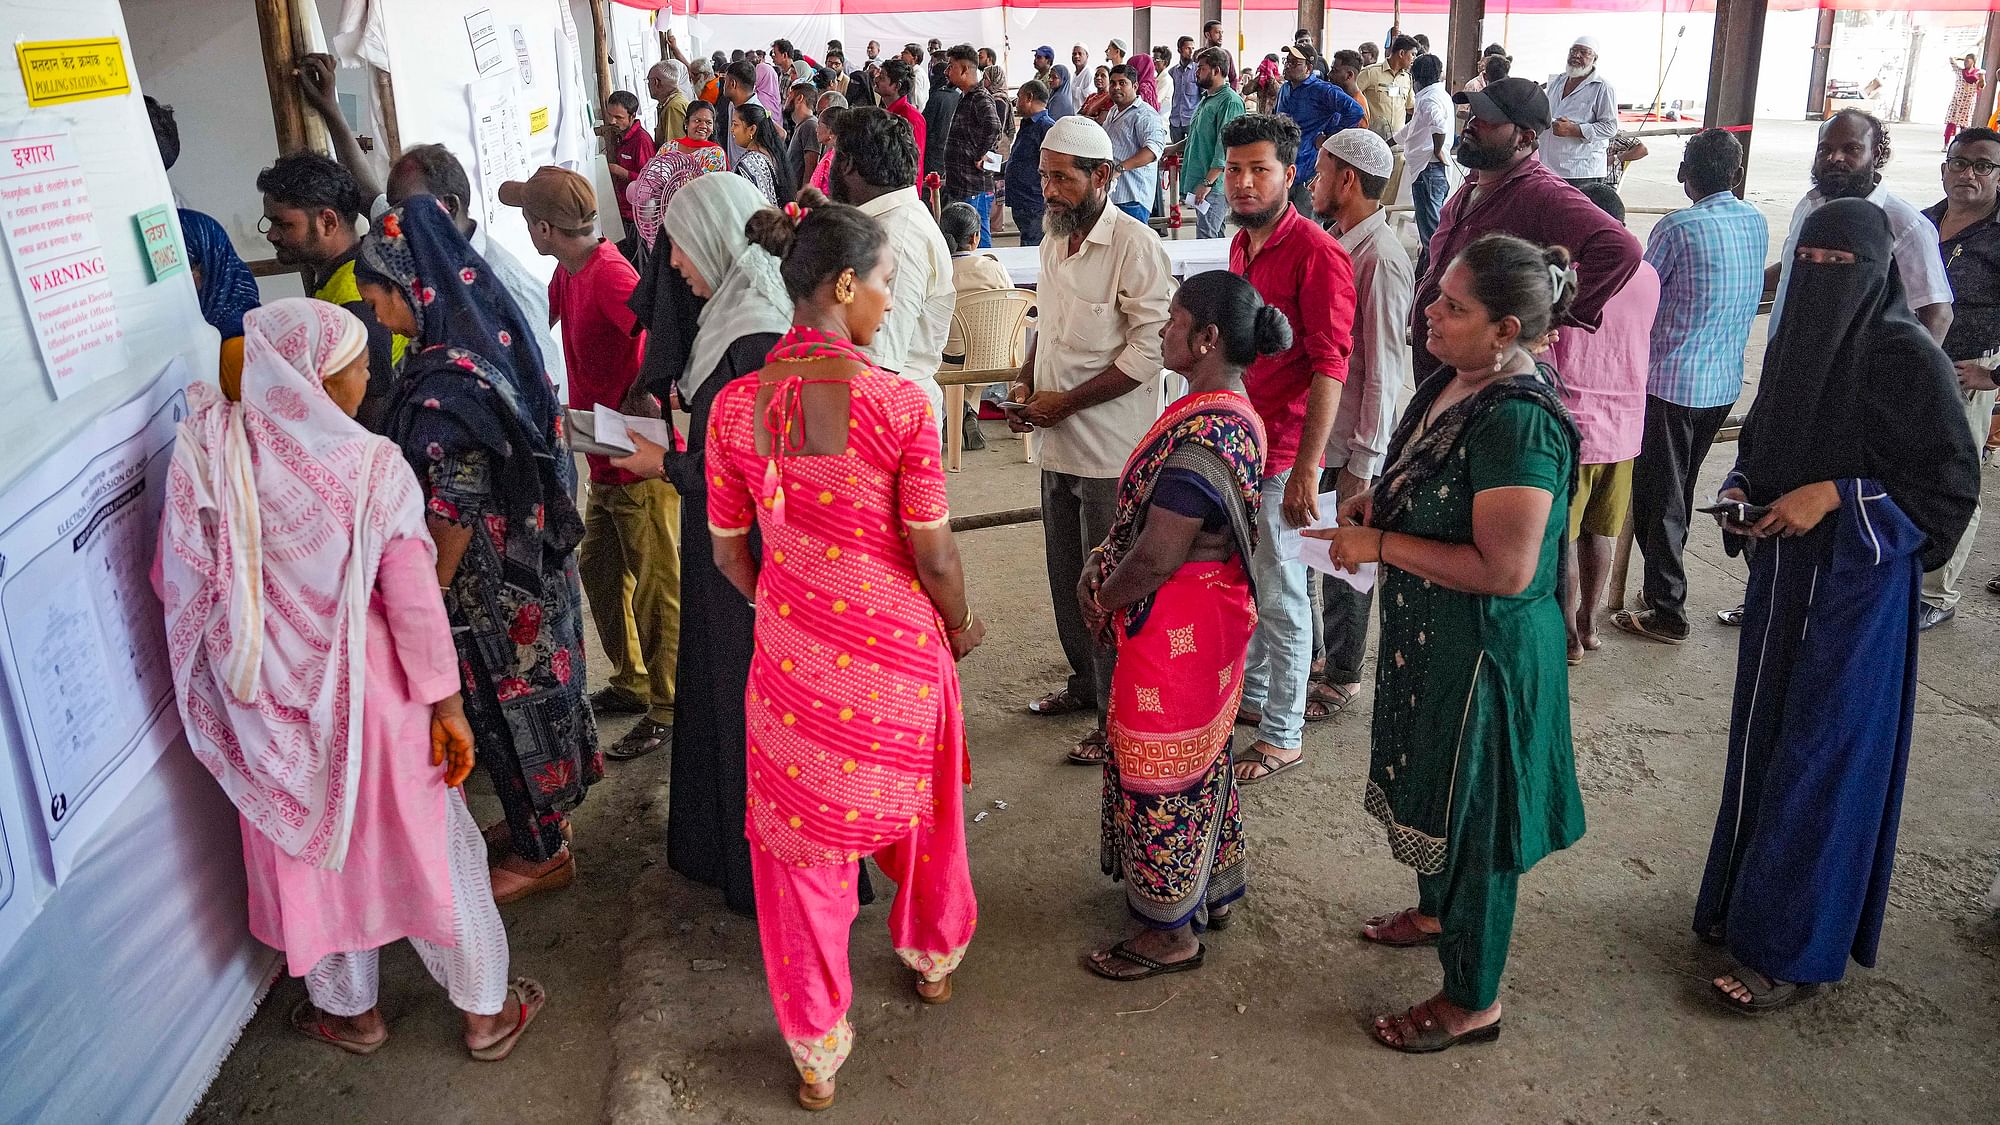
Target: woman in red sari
[
  {"x": 856, "y": 743},
  {"x": 1170, "y": 589}
]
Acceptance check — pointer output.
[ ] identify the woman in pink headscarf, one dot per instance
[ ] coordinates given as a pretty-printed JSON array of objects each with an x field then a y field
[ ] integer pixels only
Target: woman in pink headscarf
[{"x": 317, "y": 680}]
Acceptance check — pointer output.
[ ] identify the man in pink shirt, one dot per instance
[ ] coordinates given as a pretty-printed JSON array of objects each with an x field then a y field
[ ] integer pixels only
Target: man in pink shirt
[
  {"x": 893, "y": 85},
  {"x": 1604, "y": 385}
]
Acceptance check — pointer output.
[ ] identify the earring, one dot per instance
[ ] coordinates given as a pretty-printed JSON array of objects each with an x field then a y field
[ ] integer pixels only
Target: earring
[{"x": 843, "y": 287}]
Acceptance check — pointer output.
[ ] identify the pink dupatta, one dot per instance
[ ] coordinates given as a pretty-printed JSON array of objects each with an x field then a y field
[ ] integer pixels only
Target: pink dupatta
[{"x": 278, "y": 510}]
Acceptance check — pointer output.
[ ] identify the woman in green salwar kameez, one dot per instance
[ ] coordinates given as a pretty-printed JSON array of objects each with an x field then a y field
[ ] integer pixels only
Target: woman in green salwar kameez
[{"x": 1471, "y": 770}]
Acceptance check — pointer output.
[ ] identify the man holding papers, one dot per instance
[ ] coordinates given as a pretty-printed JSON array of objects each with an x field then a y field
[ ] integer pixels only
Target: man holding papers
[{"x": 630, "y": 558}]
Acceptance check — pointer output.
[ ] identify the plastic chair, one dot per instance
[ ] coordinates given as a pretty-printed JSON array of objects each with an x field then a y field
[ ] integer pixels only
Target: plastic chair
[{"x": 989, "y": 335}]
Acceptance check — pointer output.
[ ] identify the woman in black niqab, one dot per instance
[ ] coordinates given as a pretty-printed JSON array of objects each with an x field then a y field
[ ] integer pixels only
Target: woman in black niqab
[{"x": 1857, "y": 440}]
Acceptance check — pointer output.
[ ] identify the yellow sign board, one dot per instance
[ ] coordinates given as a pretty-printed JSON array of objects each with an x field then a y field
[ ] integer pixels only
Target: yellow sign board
[
  {"x": 72, "y": 70},
  {"x": 538, "y": 120}
]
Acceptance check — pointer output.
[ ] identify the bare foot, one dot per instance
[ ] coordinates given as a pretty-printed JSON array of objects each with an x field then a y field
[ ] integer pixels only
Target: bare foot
[{"x": 1164, "y": 946}]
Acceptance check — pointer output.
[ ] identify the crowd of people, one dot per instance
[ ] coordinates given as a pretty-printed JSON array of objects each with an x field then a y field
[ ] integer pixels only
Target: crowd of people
[{"x": 780, "y": 597}]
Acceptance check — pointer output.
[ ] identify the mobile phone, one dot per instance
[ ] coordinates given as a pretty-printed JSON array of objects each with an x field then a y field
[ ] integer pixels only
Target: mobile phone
[
  {"x": 1006, "y": 404},
  {"x": 1737, "y": 511}
]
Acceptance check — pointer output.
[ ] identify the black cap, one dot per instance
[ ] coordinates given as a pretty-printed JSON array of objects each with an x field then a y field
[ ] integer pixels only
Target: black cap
[{"x": 1515, "y": 100}]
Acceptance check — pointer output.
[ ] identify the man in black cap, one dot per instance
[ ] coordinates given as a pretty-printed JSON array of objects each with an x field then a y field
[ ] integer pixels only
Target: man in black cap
[{"x": 1511, "y": 191}]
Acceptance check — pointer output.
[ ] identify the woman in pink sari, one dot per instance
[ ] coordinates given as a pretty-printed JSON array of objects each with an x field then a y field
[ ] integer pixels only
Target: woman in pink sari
[
  {"x": 856, "y": 744},
  {"x": 317, "y": 681}
]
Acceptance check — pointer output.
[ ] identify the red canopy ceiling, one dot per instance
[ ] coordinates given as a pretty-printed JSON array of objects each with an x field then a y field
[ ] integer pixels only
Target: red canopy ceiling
[{"x": 868, "y": 7}]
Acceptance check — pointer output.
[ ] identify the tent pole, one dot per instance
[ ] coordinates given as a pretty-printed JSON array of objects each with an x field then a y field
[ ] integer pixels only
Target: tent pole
[
  {"x": 1733, "y": 60},
  {"x": 1462, "y": 40},
  {"x": 288, "y": 111},
  {"x": 1982, "y": 110},
  {"x": 600, "y": 26}
]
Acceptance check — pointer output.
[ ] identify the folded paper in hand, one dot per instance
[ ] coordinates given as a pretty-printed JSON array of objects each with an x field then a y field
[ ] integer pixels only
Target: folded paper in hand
[
  {"x": 1317, "y": 553},
  {"x": 606, "y": 432}
]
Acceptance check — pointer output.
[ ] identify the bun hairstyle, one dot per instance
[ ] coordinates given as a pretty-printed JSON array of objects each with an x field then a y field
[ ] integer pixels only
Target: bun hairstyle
[
  {"x": 1248, "y": 327},
  {"x": 1514, "y": 277},
  {"x": 815, "y": 240}
]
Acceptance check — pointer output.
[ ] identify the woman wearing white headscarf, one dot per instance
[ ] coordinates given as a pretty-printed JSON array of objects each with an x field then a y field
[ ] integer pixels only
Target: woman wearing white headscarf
[
  {"x": 317, "y": 680},
  {"x": 745, "y": 312}
]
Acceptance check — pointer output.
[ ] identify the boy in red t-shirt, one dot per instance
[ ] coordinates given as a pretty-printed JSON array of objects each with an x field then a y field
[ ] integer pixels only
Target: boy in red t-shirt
[{"x": 630, "y": 557}]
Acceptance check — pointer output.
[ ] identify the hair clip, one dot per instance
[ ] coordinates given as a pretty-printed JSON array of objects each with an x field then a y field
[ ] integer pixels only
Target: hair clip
[
  {"x": 1562, "y": 279},
  {"x": 796, "y": 213}
]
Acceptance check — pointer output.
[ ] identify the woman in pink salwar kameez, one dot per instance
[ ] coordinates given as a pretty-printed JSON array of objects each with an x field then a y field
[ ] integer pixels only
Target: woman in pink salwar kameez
[
  {"x": 855, "y": 737},
  {"x": 317, "y": 679}
]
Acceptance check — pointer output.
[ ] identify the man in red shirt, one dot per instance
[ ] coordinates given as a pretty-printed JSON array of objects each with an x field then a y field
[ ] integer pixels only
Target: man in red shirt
[
  {"x": 630, "y": 149},
  {"x": 893, "y": 85},
  {"x": 630, "y": 557},
  {"x": 1304, "y": 272}
]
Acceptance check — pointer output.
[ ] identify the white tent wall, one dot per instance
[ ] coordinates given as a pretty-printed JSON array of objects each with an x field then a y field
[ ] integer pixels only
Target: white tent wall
[{"x": 124, "y": 994}]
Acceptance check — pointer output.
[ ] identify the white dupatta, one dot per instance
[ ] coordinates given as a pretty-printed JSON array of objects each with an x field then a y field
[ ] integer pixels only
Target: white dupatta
[{"x": 278, "y": 510}]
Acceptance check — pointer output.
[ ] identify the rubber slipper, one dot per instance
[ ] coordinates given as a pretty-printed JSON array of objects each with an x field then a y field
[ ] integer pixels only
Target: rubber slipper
[
  {"x": 646, "y": 736},
  {"x": 1767, "y": 994},
  {"x": 808, "y": 1102},
  {"x": 1425, "y": 1035},
  {"x": 1317, "y": 710},
  {"x": 521, "y": 886},
  {"x": 1730, "y": 617},
  {"x": 528, "y": 996},
  {"x": 306, "y": 1020},
  {"x": 1271, "y": 764},
  {"x": 1335, "y": 696},
  {"x": 1641, "y": 623},
  {"x": 1398, "y": 930},
  {"x": 1123, "y": 951}
]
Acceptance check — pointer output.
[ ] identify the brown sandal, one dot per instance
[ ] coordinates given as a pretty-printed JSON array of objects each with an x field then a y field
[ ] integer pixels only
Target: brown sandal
[
  {"x": 1060, "y": 702},
  {"x": 813, "y": 1104},
  {"x": 1398, "y": 930},
  {"x": 1419, "y": 1032},
  {"x": 555, "y": 879},
  {"x": 528, "y": 996},
  {"x": 942, "y": 996},
  {"x": 307, "y": 1020},
  {"x": 1082, "y": 755}
]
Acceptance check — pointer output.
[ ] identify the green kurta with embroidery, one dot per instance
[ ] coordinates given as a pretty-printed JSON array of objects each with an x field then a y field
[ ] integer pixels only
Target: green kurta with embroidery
[{"x": 1472, "y": 691}]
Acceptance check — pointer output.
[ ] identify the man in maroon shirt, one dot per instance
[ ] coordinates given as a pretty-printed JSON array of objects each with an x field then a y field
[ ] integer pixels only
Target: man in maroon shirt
[
  {"x": 1305, "y": 273},
  {"x": 1510, "y": 190},
  {"x": 629, "y": 151},
  {"x": 893, "y": 85},
  {"x": 630, "y": 556}
]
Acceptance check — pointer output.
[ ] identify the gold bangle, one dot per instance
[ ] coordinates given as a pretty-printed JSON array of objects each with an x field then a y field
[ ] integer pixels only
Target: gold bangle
[{"x": 963, "y": 625}]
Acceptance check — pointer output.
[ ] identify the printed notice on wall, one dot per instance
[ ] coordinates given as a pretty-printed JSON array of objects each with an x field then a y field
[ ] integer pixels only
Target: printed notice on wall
[
  {"x": 58, "y": 257},
  {"x": 72, "y": 70},
  {"x": 499, "y": 137},
  {"x": 488, "y": 53},
  {"x": 82, "y": 636}
]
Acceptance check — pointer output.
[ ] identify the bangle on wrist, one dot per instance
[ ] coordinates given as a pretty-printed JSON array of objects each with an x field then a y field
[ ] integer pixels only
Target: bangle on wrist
[
  {"x": 1382, "y": 548},
  {"x": 962, "y": 626}
]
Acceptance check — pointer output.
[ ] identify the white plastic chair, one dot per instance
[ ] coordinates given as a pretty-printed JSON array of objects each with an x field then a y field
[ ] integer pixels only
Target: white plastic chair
[{"x": 989, "y": 334}]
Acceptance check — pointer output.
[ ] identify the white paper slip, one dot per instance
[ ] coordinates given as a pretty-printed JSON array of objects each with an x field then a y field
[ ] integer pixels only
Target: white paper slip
[
  {"x": 1292, "y": 545},
  {"x": 1318, "y": 553},
  {"x": 606, "y": 432}
]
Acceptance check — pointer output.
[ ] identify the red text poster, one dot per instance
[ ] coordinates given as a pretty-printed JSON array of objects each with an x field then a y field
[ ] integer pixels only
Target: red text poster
[{"x": 58, "y": 258}]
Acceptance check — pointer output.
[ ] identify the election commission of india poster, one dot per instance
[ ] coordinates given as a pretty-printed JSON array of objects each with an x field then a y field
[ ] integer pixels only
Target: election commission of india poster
[{"x": 82, "y": 635}]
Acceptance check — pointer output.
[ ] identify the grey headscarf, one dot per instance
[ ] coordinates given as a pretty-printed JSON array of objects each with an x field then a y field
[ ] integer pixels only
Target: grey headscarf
[
  {"x": 1062, "y": 102},
  {"x": 705, "y": 221}
]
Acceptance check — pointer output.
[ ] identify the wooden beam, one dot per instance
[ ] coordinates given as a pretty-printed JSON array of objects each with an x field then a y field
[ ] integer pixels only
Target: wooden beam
[
  {"x": 1982, "y": 107},
  {"x": 1461, "y": 59},
  {"x": 385, "y": 104},
  {"x": 1733, "y": 60},
  {"x": 288, "y": 110},
  {"x": 1210, "y": 10},
  {"x": 600, "y": 26}
]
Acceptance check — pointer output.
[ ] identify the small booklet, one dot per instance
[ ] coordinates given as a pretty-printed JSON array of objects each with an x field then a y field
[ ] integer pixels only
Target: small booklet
[{"x": 604, "y": 431}]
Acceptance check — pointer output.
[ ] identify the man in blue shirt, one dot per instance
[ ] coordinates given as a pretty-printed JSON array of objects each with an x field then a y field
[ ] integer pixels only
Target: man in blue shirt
[
  {"x": 1319, "y": 108},
  {"x": 1138, "y": 138},
  {"x": 1187, "y": 92},
  {"x": 1710, "y": 258},
  {"x": 1024, "y": 162}
]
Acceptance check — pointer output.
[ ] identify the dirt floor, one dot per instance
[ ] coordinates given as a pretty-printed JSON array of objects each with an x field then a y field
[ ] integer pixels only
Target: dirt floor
[{"x": 658, "y": 1010}]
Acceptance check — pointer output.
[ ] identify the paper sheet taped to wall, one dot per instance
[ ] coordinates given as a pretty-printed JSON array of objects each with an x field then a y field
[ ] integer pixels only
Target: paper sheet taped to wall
[
  {"x": 82, "y": 635},
  {"x": 58, "y": 257},
  {"x": 499, "y": 137}
]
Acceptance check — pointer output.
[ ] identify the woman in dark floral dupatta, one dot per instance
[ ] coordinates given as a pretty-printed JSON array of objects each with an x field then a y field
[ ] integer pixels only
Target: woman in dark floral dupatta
[
  {"x": 1170, "y": 589},
  {"x": 476, "y": 416}
]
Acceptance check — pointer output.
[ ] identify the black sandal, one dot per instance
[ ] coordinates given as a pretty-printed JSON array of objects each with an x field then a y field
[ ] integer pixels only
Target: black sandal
[
  {"x": 645, "y": 737},
  {"x": 1425, "y": 1034},
  {"x": 1767, "y": 994},
  {"x": 1063, "y": 702},
  {"x": 1123, "y": 951}
]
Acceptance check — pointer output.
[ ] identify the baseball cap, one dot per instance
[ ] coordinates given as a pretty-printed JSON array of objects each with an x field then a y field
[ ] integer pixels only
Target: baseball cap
[
  {"x": 1294, "y": 51},
  {"x": 557, "y": 195},
  {"x": 1361, "y": 150},
  {"x": 1514, "y": 100},
  {"x": 1045, "y": 52}
]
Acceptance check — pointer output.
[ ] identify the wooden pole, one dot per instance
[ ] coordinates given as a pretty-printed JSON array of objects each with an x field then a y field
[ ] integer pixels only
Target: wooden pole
[
  {"x": 600, "y": 26},
  {"x": 1312, "y": 17},
  {"x": 385, "y": 104},
  {"x": 1461, "y": 55},
  {"x": 1734, "y": 56},
  {"x": 288, "y": 111},
  {"x": 1816, "y": 77}
]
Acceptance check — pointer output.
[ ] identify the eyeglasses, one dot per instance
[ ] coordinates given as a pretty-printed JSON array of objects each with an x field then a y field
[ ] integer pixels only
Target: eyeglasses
[{"x": 1976, "y": 167}]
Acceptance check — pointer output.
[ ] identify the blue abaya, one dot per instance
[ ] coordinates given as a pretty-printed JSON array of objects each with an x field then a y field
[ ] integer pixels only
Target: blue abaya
[{"x": 1819, "y": 737}]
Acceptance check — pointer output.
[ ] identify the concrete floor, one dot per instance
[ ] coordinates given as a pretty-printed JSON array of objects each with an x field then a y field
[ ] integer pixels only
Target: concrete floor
[{"x": 1606, "y": 1021}]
